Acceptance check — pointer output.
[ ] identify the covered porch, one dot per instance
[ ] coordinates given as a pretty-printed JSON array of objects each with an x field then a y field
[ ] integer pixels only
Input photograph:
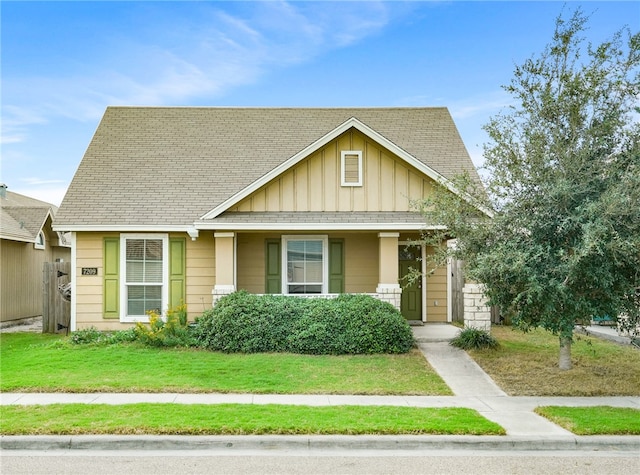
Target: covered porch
[{"x": 321, "y": 259}]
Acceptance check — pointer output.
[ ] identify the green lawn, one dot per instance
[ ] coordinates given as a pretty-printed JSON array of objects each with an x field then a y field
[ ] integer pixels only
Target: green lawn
[
  {"x": 598, "y": 420},
  {"x": 198, "y": 419},
  {"x": 43, "y": 363}
]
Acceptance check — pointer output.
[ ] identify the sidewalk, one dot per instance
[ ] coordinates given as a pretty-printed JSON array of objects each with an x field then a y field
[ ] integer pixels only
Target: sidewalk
[{"x": 471, "y": 386}]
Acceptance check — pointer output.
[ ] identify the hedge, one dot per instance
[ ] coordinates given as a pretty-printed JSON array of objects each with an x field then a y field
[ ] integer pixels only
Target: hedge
[{"x": 348, "y": 324}]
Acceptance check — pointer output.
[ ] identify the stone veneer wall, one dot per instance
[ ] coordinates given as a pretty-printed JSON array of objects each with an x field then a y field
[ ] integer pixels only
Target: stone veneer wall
[{"x": 477, "y": 314}]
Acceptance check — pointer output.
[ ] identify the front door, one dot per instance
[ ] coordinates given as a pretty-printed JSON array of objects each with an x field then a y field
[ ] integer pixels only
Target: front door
[{"x": 411, "y": 299}]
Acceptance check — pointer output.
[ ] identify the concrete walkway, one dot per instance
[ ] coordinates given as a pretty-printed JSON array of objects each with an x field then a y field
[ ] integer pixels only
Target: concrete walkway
[{"x": 471, "y": 386}]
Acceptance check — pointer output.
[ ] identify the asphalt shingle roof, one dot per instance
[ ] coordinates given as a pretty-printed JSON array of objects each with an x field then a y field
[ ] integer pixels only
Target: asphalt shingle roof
[
  {"x": 22, "y": 217},
  {"x": 168, "y": 166}
]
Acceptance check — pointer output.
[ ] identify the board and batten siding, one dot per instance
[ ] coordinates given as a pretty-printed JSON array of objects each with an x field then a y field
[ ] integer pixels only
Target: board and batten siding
[
  {"x": 314, "y": 184},
  {"x": 437, "y": 301},
  {"x": 199, "y": 278},
  {"x": 360, "y": 251}
]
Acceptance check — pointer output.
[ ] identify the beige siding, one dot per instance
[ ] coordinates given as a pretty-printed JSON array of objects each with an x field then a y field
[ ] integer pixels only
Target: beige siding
[
  {"x": 361, "y": 261},
  {"x": 200, "y": 279},
  {"x": 389, "y": 183},
  {"x": 21, "y": 280},
  {"x": 437, "y": 295},
  {"x": 200, "y": 273},
  {"x": 88, "y": 288}
]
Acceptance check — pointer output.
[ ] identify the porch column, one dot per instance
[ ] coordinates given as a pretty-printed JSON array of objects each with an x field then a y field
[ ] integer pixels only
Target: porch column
[
  {"x": 388, "y": 288},
  {"x": 225, "y": 265}
]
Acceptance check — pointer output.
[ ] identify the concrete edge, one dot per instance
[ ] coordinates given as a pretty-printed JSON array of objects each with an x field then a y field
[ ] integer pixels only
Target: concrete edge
[{"x": 320, "y": 442}]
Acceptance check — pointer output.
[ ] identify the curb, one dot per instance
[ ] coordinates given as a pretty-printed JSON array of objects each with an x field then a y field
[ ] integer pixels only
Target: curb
[{"x": 320, "y": 443}]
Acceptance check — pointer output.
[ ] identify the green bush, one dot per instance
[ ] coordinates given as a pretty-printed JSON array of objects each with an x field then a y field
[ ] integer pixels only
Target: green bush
[
  {"x": 349, "y": 324},
  {"x": 93, "y": 336},
  {"x": 474, "y": 338},
  {"x": 173, "y": 330}
]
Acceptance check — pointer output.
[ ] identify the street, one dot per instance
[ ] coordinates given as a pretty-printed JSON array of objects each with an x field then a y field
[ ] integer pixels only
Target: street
[{"x": 317, "y": 462}]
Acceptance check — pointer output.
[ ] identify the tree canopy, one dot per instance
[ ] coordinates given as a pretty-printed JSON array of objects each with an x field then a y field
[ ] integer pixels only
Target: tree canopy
[{"x": 562, "y": 243}]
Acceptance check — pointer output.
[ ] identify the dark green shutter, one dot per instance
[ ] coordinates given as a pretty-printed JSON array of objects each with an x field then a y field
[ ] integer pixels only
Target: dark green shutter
[
  {"x": 336, "y": 266},
  {"x": 272, "y": 268},
  {"x": 177, "y": 271},
  {"x": 111, "y": 287}
]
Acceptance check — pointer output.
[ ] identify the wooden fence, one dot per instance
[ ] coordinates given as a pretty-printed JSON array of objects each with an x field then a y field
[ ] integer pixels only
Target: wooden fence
[{"x": 56, "y": 312}]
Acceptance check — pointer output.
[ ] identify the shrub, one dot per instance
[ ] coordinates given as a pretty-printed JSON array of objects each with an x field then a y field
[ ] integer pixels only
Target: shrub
[
  {"x": 349, "y": 324},
  {"x": 171, "y": 331},
  {"x": 86, "y": 336},
  {"x": 94, "y": 336},
  {"x": 474, "y": 338}
]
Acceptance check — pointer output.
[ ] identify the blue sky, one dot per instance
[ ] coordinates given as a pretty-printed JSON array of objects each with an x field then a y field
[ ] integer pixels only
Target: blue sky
[{"x": 63, "y": 63}]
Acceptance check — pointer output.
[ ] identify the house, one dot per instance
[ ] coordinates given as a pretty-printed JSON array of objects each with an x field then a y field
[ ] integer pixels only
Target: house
[
  {"x": 188, "y": 204},
  {"x": 27, "y": 241}
]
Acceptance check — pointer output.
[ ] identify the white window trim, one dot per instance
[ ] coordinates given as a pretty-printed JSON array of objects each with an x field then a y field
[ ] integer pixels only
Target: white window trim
[
  {"x": 343, "y": 155},
  {"x": 124, "y": 318},
  {"x": 325, "y": 259},
  {"x": 37, "y": 244}
]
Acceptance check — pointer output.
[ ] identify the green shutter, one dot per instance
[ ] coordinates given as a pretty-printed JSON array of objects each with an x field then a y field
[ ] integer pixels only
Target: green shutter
[
  {"x": 177, "y": 271},
  {"x": 273, "y": 264},
  {"x": 336, "y": 266},
  {"x": 111, "y": 288}
]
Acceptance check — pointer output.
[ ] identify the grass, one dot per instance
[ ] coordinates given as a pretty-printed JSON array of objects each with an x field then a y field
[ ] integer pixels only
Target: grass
[
  {"x": 236, "y": 419},
  {"x": 597, "y": 420},
  {"x": 526, "y": 364},
  {"x": 44, "y": 363}
]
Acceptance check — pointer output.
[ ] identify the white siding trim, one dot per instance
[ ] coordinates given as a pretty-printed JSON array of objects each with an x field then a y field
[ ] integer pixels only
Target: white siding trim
[
  {"x": 74, "y": 284},
  {"x": 343, "y": 168},
  {"x": 273, "y": 226},
  {"x": 124, "y": 318}
]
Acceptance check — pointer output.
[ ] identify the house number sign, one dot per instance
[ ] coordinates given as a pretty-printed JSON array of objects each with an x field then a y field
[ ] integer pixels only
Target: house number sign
[{"x": 89, "y": 271}]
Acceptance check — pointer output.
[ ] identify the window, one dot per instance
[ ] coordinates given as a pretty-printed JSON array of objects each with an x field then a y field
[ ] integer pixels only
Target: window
[
  {"x": 40, "y": 242},
  {"x": 306, "y": 265},
  {"x": 351, "y": 165},
  {"x": 144, "y": 258}
]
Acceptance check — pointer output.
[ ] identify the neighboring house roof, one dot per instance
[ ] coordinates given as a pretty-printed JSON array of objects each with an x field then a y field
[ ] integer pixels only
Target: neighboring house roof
[
  {"x": 22, "y": 218},
  {"x": 170, "y": 167}
]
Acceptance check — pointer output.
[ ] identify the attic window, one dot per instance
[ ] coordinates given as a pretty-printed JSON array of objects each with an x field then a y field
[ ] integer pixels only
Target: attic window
[
  {"x": 39, "y": 244},
  {"x": 351, "y": 165}
]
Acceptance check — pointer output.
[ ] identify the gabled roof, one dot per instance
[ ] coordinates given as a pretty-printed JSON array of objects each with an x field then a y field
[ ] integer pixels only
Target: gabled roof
[
  {"x": 22, "y": 218},
  {"x": 168, "y": 167}
]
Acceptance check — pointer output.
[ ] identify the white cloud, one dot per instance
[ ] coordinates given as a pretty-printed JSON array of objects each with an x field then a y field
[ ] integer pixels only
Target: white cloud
[
  {"x": 16, "y": 121},
  {"x": 179, "y": 60}
]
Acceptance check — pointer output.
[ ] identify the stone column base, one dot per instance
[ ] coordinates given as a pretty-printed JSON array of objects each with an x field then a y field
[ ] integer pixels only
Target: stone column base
[
  {"x": 389, "y": 293},
  {"x": 477, "y": 314},
  {"x": 220, "y": 291}
]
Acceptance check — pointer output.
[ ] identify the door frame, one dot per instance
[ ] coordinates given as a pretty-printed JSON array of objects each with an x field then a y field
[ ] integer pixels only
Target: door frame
[{"x": 423, "y": 264}]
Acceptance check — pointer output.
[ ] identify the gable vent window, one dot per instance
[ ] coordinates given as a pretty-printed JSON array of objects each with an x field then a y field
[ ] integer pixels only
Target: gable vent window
[
  {"x": 40, "y": 243},
  {"x": 351, "y": 164}
]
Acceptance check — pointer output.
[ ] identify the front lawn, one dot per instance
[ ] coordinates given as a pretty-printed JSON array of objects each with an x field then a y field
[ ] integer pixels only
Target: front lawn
[
  {"x": 597, "y": 420},
  {"x": 526, "y": 364},
  {"x": 43, "y": 363},
  {"x": 237, "y": 419}
]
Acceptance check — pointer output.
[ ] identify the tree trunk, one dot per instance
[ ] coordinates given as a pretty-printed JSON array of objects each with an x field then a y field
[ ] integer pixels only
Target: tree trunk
[{"x": 565, "y": 353}]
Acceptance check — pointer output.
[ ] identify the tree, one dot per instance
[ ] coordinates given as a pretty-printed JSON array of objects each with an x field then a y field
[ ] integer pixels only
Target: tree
[{"x": 563, "y": 186}]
